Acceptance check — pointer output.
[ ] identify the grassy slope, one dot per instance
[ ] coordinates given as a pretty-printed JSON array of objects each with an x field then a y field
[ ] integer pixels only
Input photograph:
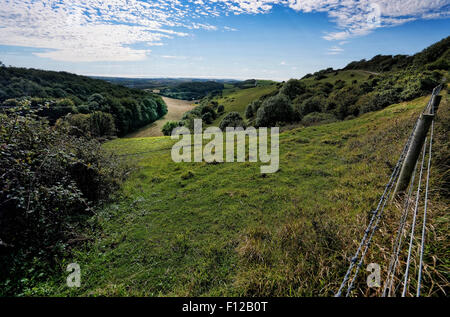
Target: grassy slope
[
  {"x": 235, "y": 99},
  {"x": 227, "y": 230},
  {"x": 345, "y": 75}
]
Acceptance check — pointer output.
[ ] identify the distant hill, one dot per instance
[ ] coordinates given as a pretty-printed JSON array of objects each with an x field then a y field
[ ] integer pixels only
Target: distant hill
[
  {"x": 364, "y": 86},
  {"x": 179, "y": 88},
  {"x": 329, "y": 95},
  {"x": 436, "y": 56},
  {"x": 193, "y": 90}
]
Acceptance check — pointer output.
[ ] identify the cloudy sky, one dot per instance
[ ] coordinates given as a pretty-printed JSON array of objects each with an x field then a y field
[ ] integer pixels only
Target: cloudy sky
[{"x": 276, "y": 39}]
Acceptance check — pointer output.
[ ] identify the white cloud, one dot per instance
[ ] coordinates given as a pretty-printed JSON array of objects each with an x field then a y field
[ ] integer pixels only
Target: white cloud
[
  {"x": 230, "y": 29},
  {"x": 360, "y": 17},
  {"x": 173, "y": 57},
  {"x": 125, "y": 30},
  {"x": 335, "y": 50},
  {"x": 208, "y": 27},
  {"x": 83, "y": 31}
]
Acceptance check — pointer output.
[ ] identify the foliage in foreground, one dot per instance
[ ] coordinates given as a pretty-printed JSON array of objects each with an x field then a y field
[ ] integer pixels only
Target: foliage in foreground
[
  {"x": 168, "y": 127},
  {"x": 51, "y": 181}
]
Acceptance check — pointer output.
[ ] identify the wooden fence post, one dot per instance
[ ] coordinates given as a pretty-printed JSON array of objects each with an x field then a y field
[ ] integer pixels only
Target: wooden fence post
[{"x": 415, "y": 148}]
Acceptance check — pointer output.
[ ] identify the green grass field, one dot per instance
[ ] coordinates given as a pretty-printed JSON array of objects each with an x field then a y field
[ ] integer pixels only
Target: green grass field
[
  {"x": 203, "y": 229},
  {"x": 235, "y": 99}
]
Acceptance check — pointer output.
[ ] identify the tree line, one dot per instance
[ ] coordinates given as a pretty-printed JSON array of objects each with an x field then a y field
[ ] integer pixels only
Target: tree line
[{"x": 62, "y": 93}]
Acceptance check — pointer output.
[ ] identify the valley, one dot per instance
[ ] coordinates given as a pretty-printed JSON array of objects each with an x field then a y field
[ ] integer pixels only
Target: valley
[{"x": 175, "y": 110}]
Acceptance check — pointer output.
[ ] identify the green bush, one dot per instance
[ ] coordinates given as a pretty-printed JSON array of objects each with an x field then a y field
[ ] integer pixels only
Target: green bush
[
  {"x": 58, "y": 109},
  {"x": 274, "y": 109},
  {"x": 339, "y": 84},
  {"x": 256, "y": 104},
  {"x": 232, "y": 119},
  {"x": 318, "y": 118},
  {"x": 313, "y": 104},
  {"x": 208, "y": 109},
  {"x": 11, "y": 103},
  {"x": 169, "y": 126},
  {"x": 220, "y": 109},
  {"x": 378, "y": 100},
  {"x": 101, "y": 124},
  {"x": 94, "y": 125},
  {"x": 411, "y": 90},
  {"x": 249, "y": 111},
  {"x": 293, "y": 88},
  {"x": 345, "y": 100},
  {"x": 207, "y": 118},
  {"x": 51, "y": 181}
]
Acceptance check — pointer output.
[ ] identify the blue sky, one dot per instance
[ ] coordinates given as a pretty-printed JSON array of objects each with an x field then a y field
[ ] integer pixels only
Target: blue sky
[{"x": 271, "y": 39}]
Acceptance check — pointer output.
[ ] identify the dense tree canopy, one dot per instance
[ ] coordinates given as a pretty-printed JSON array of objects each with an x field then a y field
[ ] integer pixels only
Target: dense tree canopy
[{"x": 65, "y": 93}]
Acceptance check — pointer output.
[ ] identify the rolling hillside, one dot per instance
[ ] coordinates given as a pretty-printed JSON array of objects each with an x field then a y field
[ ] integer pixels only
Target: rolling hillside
[
  {"x": 236, "y": 99},
  {"x": 219, "y": 229},
  {"x": 224, "y": 229},
  {"x": 327, "y": 95}
]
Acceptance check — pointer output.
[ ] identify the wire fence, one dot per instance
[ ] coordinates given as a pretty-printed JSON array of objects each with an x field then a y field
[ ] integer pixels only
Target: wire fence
[{"x": 356, "y": 262}]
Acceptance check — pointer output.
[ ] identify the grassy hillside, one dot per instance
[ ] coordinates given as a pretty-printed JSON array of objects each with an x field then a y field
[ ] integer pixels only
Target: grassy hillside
[
  {"x": 327, "y": 95},
  {"x": 347, "y": 76},
  {"x": 236, "y": 99},
  {"x": 225, "y": 229}
]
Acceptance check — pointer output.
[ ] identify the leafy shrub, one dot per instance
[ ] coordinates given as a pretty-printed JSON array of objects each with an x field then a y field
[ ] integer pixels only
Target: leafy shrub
[
  {"x": 318, "y": 117},
  {"x": 312, "y": 104},
  {"x": 168, "y": 127},
  {"x": 249, "y": 111},
  {"x": 220, "y": 109},
  {"x": 345, "y": 100},
  {"x": 101, "y": 124},
  {"x": 232, "y": 119},
  {"x": 10, "y": 103},
  {"x": 207, "y": 118},
  {"x": 208, "y": 109},
  {"x": 378, "y": 100},
  {"x": 58, "y": 109},
  {"x": 187, "y": 175},
  {"x": 293, "y": 88},
  {"x": 442, "y": 63},
  {"x": 256, "y": 104},
  {"x": 320, "y": 77},
  {"x": 94, "y": 125},
  {"x": 50, "y": 182},
  {"x": 323, "y": 88},
  {"x": 339, "y": 84},
  {"x": 273, "y": 110},
  {"x": 411, "y": 90}
]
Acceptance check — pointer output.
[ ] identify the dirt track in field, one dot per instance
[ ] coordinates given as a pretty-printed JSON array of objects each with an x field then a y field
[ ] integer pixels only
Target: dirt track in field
[{"x": 176, "y": 108}]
